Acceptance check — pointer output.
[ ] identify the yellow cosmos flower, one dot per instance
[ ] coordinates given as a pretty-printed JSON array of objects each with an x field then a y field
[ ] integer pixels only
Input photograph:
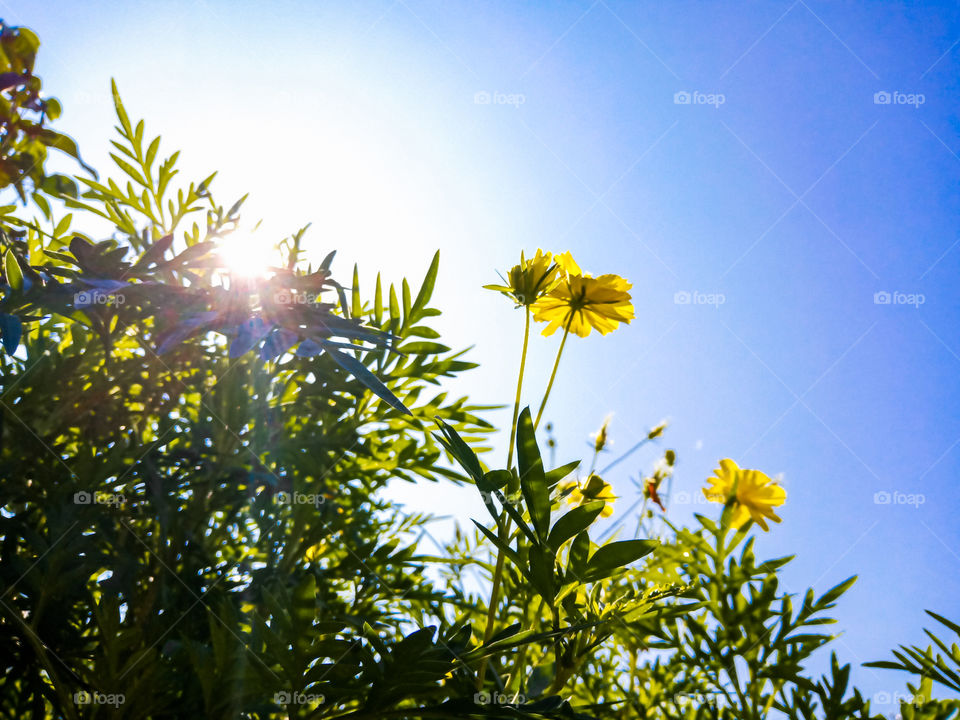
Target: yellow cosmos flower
[
  {"x": 314, "y": 552},
  {"x": 531, "y": 279},
  {"x": 582, "y": 303},
  {"x": 567, "y": 264},
  {"x": 595, "y": 488},
  {"x": 753, "y": 494}
]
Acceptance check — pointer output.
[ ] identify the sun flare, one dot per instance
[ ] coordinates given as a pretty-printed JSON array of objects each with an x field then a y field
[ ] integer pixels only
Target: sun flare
[{"x": 249, "y": 256}]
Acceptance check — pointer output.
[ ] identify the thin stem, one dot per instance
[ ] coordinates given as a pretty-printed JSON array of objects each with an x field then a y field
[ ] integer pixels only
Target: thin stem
[
  {"x": 629, "y": 452},
  {"x": 504, "y": 531},
  {"x": 491, "y": 612},
  {"x": 553, "y": 375},
  {"x": 521, "y": 659},
  {"x": 516, "y": 402},
  {"x": 593, "y": 463}
]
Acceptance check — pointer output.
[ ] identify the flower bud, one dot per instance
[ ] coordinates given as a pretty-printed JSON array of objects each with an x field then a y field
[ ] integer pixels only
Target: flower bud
[{"x": 657, "y": 431}]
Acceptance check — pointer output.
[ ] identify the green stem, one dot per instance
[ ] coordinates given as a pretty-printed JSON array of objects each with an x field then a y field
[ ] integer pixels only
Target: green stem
[
  {"x": 491, "y": 612},
  {"x": 521, "y": 659},
  {"x": 516, "y": 402},
  {"x": 504, "y": 531},
  {"x": 553, "y": 375},
  {"x": 629, "y": 452}
]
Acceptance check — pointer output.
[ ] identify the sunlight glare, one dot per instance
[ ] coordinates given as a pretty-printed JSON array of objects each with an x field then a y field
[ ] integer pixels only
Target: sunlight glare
[{"x": 249, "y": 256}]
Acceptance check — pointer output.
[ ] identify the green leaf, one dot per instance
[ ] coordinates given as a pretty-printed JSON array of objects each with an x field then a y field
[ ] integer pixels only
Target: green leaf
[
  {"x": 63, "y": 225},
  {"x": 574, "y": 522},
  {"x": 835, "y": 592},
  {"x": 494, "y": 480},
  {"x": 394, "y": 305},
  {"x": 426, "y": 288},
  {"x": 406, "y": 301},
  {"x": 152, "y": 153},
  {"x": 609, "y": 558},
  {"x": 577, "y": 559},
  {"x": 557, "y": 474},
  {"x": 378, "y": 303},
  {"x": 541, "y": 571},
  {"x": 63, "y": 143},
  {"x": 10, "y": 329},
  {"x": 507, "y": 550},
  {"x": 939, "y": 618},
  {"x": 360, "y": 371},
  {"x": 423, "y": 348},
  {"x": 12, "y": 268},
  {"x": 461, "y": 451},
  {"x": 533, "y": 482},
  {"x": 356, "y": 305},
  {"x": 128, "y": 169}
]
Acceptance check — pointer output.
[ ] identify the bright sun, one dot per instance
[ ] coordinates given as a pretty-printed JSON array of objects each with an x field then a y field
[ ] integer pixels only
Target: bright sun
[{"x": 249, "y": 256}]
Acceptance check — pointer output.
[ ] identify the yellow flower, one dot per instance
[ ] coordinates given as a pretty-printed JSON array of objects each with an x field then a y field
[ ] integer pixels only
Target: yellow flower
[
  {"x": 314, "y": 552},
  {"x": 531, "y": 279},
  {"x": 594, "y": 489},
  {"x": 582, "y": 302},
  {"x": 567, "y": 264},
  {"x": 753, "y": 494}
]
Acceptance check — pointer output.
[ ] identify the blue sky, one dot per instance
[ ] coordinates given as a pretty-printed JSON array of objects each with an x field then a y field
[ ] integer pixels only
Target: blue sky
[{"x": 781, "y": 199}]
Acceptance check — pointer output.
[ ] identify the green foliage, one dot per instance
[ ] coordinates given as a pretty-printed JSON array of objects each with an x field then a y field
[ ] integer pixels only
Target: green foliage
[{"x": 24, "y": 114}]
